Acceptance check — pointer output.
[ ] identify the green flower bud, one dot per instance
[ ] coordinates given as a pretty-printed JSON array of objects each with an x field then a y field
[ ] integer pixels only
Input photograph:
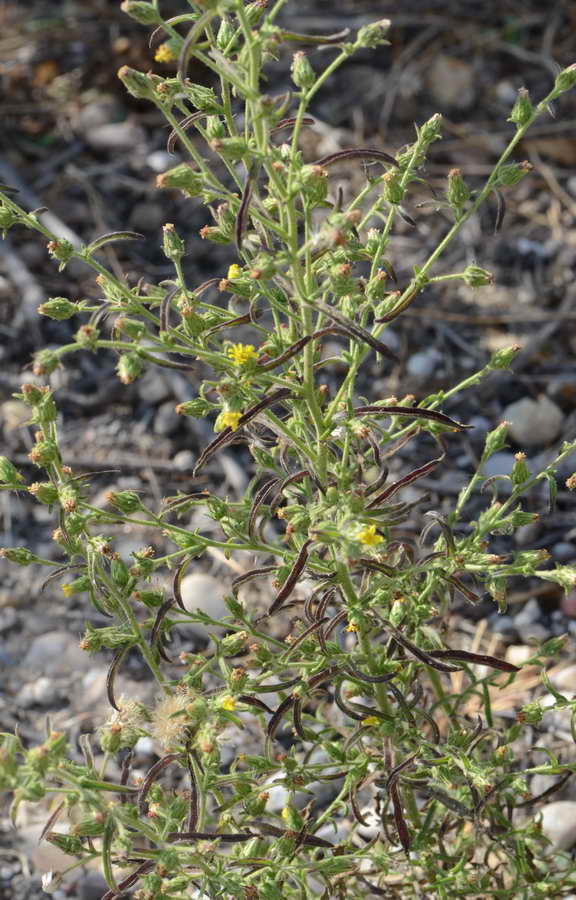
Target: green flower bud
[
  {"x": 19, "y": 555},
  {"x": 231, "y": 148},
  {"x": 131, "y": 327},
  {"x": 376, "y": 287},
  {"x": 458, "y": 192},
  {"x": 522, "y": 111},
  {"x": 474, "y": 276},
  {"x": 44, "y": 492},
  {"x": 531, "y": 713},
  {"x": 215, "y": 128},
  {"x": 70, "y": 844},
  {"x": 9, "y": 474},
  {"x": 119, "y": 573},
  {"x": 292, "y": 818},
  {"x": 393, "y": 189},
  {"x": 151, "y": 599},
  {"x": 430, "y": 130},
  {"x": 303, "y": 74},
  {"x": 61, "y": 250},
  {"x": 203, "y": 98},
  {"x": 520, "y": 471},
  {"x": 87, "y": 337},
  {"x": 565, "y": 79},
  {"x": 8, "y": 218},
  {"x": 225, "y": 34},
  {"x": 373, "y": 35},
  {"x": 196, "y": 408},
  {"x": 136, "y": 83},
  {"x": 141, "y": 12},
  {"x": 254, "y": 11},
  {"x": 44, "y": 452},
  {"x": 313, "y": 182},
  {"x": 129, "y": 367},
  {"x": 511, "y": 174},
  {"x": 91, "y": 827},
  {"x": 172, "y": 245},
  {"x": 495, "y": 440},
  {"x": 58, "y": 308},
  {"x": 45, "y": 362},
  {"x": 126, "y": 502},
  {"x": 182, "y": 177},
  {"x": 233, "y": 643},
  {"x": 502, "y": 359}
]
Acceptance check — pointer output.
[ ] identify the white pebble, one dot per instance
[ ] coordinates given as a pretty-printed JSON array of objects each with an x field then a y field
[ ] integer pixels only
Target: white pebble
[
  {"x": 534, "y": 423},
  {"x": 559, "y": 823}
]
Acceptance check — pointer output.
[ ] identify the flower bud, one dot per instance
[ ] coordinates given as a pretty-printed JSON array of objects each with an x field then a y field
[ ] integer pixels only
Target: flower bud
[
  {"x": 303, "y": 74},
  {"x": 522, "y": 111},
  {"x": 133, "y": 328},
  {"x": 215, "y": 128},
  {"x": 502, "y": 359},
  {"x": 19, "y": 555},
  {"x": 78, "y": 586},
  {"x": 393, "y": 189},
  {"x": 136, "y": 83},
  {"x": 458, "y": 192},
  {"x": 172, "y": 244},
  {"x": 373, "y": 35},
  {"x": 225, "y": 34},
  {"x": 474, "y": 276},
  {"x": 87, "y": 337},
  {"x": 119, "y": 572},
  {"x": 129, "y": 367},
  {"x": 430, "y": 130},
  {"x": 520, "y": 471},
  {"x": 203, "y": 98},
  {"x": 126, "y": 502},
  {"x": 9, "y": 474},
  {"x": 231, "y": 148},
  {"x": 495, "y": 440},
  {"x": 44, "y": 492},
  {"x": 313, "y": 182},
  {"x": 7, "y": 219},
  {"x": 141, "y": 12},
  {"x": 45, "y": 362},
  {"x": 182, "y": 177},
  {"x": 196, "y": 408},
  {"x": 44, "y": 452},
  {"x": 233, "y": 643},
  {"x": 565, "y": 79},
  {"x": 58, "y": 308},
  {"x": 61, "y": 250},
  {"x": 511, "y": 174}
]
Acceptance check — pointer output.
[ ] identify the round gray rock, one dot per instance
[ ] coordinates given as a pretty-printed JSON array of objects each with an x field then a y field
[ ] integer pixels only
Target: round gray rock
[
  {"x": 534, "y": 423},
  {"x": 559, "y": 823},
  {"x": 204, "y": 593}
]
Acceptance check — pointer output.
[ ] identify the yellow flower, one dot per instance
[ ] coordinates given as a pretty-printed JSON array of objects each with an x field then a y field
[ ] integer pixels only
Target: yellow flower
[
  {"x": 228, "y": 703},
  {"x": 371, "y": 720},
  {"x": 351, "y": 626},
  {"x": 164, "y": 53},
  {"x": 242, "y": 353},
  {"x": 228, "y": 420},
  {"x": 369, "y": 536},
  {"x": 67, "y": 590},
  {"x": 235, "y": 271}
]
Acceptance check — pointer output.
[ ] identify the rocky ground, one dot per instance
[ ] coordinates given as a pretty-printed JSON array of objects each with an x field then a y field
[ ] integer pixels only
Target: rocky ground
[{"x": 75, "y": 142}]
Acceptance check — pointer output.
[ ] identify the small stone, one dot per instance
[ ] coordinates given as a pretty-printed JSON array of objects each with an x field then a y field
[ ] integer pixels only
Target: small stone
[
  {"x": 534, "y": 423},
  {"x": 92, "y": 886},
  {"x": 559, "y": 823},
  {"x": 161, "y": 160},
  {"x": 56, "y": 653},
  {"x": 518, "y": 654},
  {"x": 531, "y": 612},
  {"x": 166, "y": 421},
  {"x": 184, "y": 460},
  {"x": 95, "y": 115},
  {"x": 503, "y": 625},
  {"x": 533, "y": 632},
  {"x": 147, "y": 216},
  {"x": 568, "y": 605},
  {"x": 45, "y": 691},
  {"x": 564, "y": 551},
  {"x": 204, "y": 593},
  {"x": 565, "y": 679},
  {"x": 14, "y": 414},
  {"x": 115, "y": 136},
  {"x": 451, "y": 82},
  {"x": 153, "y": 388},
  {"x": 526, "y": 534},
  {"x": 423, "y": 364},
  {"x": 8, "y": 619}
]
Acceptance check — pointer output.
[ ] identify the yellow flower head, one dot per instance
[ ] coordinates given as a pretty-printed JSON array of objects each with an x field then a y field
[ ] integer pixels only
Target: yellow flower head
[
  {"x": 371, "y": 720},
  {"x": 351, "y": 626},
  {"x": 369, "y": 536},
  {"x": 241, "y": 354},
  {"x": 228, "y": 703},
  {"x": 234, "y": 271},
  {"x": 67, "y": 590},
  {"x": 228, "y": 420},
  {"x": 164, "y": 53}
]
